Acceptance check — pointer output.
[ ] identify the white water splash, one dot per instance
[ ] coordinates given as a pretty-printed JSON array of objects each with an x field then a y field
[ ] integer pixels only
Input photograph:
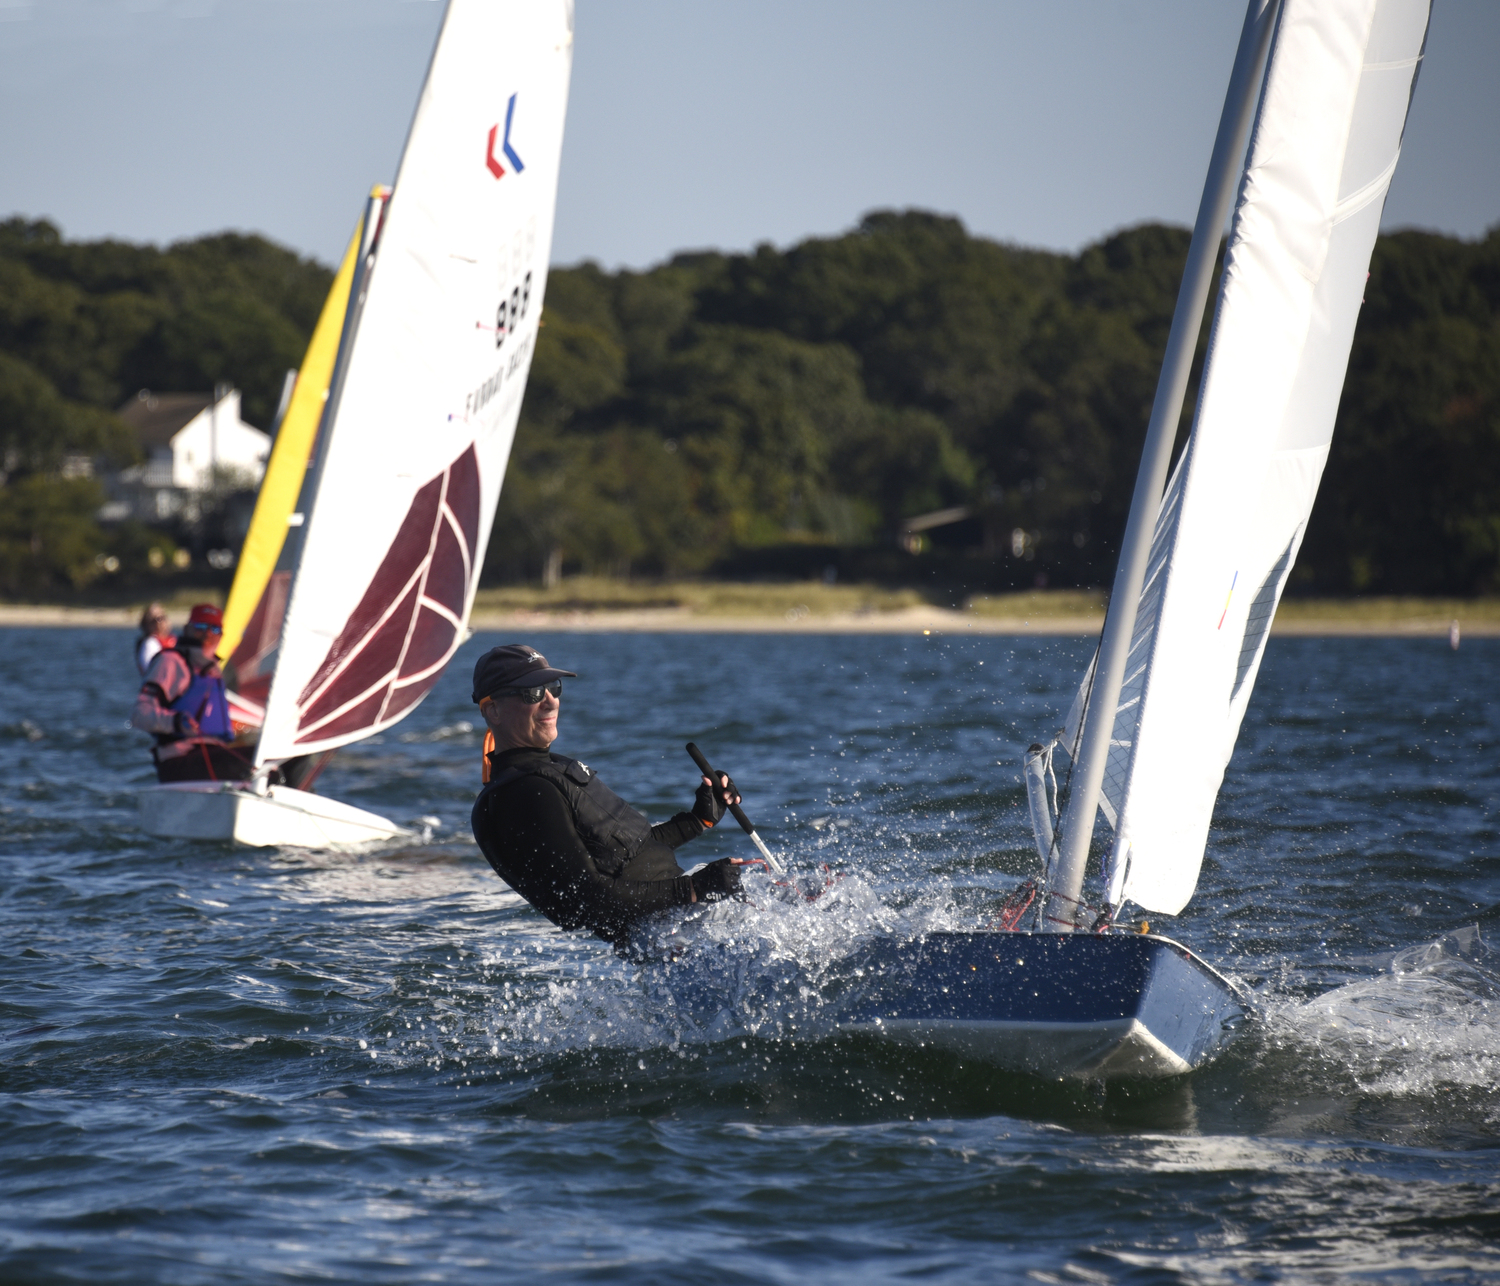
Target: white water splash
[
  {"x": 776, "y": 966},
  {"x": 1432, "y": 1020}
]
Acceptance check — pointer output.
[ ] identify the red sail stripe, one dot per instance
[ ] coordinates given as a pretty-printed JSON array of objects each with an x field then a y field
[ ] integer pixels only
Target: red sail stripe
[
  {"x": 396, "y": 652},
  {"x": 438, "y": 527},
  {"x": 401, "y": 565},
  {"x": 382, "y": 629},
  {"x": 369, "y": 669}
]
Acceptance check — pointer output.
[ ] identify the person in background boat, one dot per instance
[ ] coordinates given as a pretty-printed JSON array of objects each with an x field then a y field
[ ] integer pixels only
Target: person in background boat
[
  {"x": 156, "y": 634},
  {"x": 183, "y": 705},
  {"x": 558, "y": 835}
]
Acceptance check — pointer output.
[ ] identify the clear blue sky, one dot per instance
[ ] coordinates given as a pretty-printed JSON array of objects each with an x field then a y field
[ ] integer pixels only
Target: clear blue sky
[{"x": 693, "y": 123}]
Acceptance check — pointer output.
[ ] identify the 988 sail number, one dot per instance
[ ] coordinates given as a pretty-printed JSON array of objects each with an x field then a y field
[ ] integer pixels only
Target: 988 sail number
[{"x": 511, "y": 311}]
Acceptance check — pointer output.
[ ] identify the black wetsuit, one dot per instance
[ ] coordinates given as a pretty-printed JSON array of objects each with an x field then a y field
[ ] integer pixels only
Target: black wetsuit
[{"x": 573, "y": 849}]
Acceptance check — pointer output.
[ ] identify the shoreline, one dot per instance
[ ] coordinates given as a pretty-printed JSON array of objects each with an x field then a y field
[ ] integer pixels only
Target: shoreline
[{"x": 911, "y": 620}]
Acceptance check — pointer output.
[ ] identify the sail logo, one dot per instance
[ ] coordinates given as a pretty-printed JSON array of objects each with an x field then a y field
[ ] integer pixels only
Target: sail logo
[{"x": 491, "y": 161}]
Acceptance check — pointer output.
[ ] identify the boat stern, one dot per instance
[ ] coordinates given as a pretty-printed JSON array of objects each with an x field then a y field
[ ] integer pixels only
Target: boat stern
[{"x": 1092, "y": 1006}]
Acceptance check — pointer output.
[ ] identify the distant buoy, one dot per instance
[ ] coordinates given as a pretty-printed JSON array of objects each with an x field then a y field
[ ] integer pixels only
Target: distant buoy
[{"x": 1453, "y": 636}]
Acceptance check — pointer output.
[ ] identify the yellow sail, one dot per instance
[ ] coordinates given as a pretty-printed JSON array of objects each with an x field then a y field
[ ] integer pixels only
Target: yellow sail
[{"x": 288, "y": 464}]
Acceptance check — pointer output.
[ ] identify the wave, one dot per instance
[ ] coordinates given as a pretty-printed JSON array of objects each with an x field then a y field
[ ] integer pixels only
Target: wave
[{"x": 1430, "y": 1020}]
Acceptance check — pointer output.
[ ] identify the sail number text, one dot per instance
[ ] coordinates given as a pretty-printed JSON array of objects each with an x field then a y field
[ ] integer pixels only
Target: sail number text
[{"x": 511, "y": 311}]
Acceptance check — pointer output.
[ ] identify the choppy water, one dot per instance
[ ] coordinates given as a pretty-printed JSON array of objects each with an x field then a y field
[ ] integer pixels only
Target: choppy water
[{"x": 222, "y": 1065}]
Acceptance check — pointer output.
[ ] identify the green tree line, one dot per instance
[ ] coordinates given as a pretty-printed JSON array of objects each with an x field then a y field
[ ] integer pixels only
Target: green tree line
[
  {"x": 83, "y": 325},
  {"x": 781, "y": 411},
  {"x": 788, "y": 409}
]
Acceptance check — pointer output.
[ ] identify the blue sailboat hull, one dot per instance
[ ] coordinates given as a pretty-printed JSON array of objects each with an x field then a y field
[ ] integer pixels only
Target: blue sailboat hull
[{"x": 1057, "y": 1005}]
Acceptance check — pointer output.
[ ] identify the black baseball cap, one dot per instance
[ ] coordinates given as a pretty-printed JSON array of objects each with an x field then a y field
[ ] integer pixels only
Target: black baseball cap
[{"x": 513, "y": 666}]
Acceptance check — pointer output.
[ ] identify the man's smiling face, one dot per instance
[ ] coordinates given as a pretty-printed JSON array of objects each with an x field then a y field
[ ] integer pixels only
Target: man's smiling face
[{"x": 518, "y": 723}]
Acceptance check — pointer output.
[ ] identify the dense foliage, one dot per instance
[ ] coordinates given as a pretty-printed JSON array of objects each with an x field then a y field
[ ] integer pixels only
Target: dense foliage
[
  {"x": 1411, "y": 496},
  {"x": 812, "y": 399},
  {"x": 83, "y": 325},
  {"x": 784, "y": 410}
]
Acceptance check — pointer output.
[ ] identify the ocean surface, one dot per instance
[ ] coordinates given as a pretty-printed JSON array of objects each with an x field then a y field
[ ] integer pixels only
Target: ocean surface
[{"x": 231, "y": 1065}]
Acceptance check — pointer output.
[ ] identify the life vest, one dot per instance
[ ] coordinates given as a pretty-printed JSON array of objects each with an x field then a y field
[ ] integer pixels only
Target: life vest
[
  {"x": 206, "y": 701},
  {"x": 611, "y": 830}
]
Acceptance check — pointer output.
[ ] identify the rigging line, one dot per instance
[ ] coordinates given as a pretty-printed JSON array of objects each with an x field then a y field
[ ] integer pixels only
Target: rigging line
[{"x": 1089, "y": 907}]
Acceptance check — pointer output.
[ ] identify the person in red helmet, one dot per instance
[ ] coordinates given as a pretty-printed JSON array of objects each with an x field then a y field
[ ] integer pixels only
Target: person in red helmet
[{"x": 183, "y": 705}]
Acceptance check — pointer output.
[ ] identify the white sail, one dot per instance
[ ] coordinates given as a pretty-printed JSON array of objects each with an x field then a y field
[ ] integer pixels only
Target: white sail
[
  {"x": 1322, "y": 152},
  {"x": 434, "y": 363}
]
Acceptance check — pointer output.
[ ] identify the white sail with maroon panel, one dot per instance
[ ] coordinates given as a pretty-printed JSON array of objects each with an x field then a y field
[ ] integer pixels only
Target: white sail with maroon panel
[
  {"x": 422, "y": 408},
  {"x": 423, "y": 411}
]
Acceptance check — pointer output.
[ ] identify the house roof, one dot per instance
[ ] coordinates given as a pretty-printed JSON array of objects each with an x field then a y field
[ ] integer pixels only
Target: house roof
[{"x": 155, "y": 417}]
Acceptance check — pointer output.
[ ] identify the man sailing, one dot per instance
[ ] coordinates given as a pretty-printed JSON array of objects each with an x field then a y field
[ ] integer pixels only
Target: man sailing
[{"x": 558, "y": 835}]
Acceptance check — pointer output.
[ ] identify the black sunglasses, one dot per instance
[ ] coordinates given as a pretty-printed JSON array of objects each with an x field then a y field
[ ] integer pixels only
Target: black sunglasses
[{"x": 531, "y": 696}]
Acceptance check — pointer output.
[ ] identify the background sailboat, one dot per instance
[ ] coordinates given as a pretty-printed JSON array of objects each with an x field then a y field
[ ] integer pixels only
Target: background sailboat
[
  {"x": 443, "y": 308},
  {"x": 1201, "y": 570},
  {"x": 256, "y": 607}
]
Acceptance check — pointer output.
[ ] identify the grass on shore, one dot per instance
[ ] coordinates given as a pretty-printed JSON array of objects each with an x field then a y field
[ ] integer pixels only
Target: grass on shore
[
  {"x": 793, "y": 599},
  {"x": 814, "y": 598},
  {"x": 796, "y": 600},
  {"x": 1388, "y": 611},
  {"x": 1030, "y": 604}
]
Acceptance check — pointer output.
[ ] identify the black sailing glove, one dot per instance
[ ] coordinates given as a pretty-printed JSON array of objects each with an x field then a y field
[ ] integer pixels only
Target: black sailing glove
[
  {"x": 717, "y": 881},
  {"x": 708, "y": 802}
]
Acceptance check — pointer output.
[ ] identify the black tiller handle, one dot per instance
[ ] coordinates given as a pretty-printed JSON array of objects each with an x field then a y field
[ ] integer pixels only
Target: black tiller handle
[{"x": 739, "y": 813}]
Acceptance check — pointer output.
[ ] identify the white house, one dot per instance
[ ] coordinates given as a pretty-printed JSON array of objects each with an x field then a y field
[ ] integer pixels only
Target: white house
[{"x": 194, "y": 442}]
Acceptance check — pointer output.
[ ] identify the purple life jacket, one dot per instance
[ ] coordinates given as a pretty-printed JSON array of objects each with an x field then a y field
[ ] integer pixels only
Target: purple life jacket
[{"x": 206, "y": 701}]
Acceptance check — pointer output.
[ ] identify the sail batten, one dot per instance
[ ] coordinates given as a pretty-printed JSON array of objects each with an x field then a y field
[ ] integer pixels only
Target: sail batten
[{"x": 1322, "y": 152}]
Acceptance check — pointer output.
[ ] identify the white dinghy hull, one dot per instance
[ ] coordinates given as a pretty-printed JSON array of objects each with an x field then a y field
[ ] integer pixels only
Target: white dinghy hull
[{"x": 230, "y": 811}]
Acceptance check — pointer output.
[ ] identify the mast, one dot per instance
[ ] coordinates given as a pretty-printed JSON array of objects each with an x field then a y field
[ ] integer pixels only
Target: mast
[{"x": 1119, "y": 625}]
